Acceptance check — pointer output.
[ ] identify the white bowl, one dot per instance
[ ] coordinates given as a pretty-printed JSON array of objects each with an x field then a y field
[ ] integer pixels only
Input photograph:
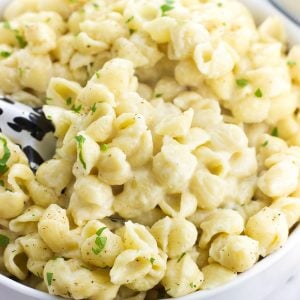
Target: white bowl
[
  {"x": 255, "y": 284},
  {"x": 289, "y": 7}
]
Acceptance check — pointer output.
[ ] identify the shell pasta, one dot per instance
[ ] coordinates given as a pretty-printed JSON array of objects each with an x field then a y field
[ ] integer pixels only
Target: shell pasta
[{"x": 177, "y": 162}]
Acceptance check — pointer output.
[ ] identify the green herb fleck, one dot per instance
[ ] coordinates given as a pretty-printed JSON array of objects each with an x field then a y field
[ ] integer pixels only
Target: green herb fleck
[
  {"x": 291, "y": 63},
  {"x": 167, "y": 7},
  {"x": 100, "y": 241},
  {"x": 94, "y": 108},
  {"x": 76, "y": 109},
  {"x": 131, "y": 31},
  {"x": 258, "y": 93},
  {"x": 20, "y": 39},
  {"x": 129, "y": 20},
  {"x": 49, "y": 278},
  {"x": 274, "y": 132},
  {"x": 80, "y": 140},
  {"x": 241, "y": 82},
  {"x": 220, "y": 4},
  {"x": 69, "y": 101},
  {"x": 158, "y": 95},
  {"x": 6, "y": 25},
  {"x": 181, "y": 257},
  {"x": 97, "y": 74},
  {"x": 96, "y": 251},
  {"x": 4, "y": 240},
  {"x": 5, "y": 157},
  {"x": 265, "y": 144},
  {"x": 21, "y": 72},
  {"x": 104, "y": 147},
  {"x": 96, "y": 5},
  {"x": 1, "y": 182},
  {"x": 192, "y": 285},
  {"x": 99, "y": 231},
  {"x": 5, "y": 54},
  {"x": 152, "y": 259}
]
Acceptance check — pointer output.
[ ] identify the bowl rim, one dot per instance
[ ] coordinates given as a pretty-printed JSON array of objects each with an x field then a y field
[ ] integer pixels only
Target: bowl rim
[
  {"x": 259, "y": 267},
  {"x": 285, "y": 11},
  {"x": 262, "y": 9}
]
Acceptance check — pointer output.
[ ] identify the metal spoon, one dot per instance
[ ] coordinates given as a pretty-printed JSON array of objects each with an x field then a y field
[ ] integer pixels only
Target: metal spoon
[{"x": 29, "y": 128}]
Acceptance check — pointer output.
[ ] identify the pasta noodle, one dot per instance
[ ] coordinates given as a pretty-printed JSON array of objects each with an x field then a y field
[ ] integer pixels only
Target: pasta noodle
[{"x": 178, "y": 153}]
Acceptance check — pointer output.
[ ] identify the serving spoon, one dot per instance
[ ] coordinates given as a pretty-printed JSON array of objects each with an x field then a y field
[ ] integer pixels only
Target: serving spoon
[{"x": 29, "y": 128}]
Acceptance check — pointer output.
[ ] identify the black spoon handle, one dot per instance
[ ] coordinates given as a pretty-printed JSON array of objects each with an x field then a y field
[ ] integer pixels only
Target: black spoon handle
[{"x": 29, "y": 128}]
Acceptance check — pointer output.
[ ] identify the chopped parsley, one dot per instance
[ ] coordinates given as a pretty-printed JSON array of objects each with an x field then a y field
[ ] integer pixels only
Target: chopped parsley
[
  {"x": 97, "y": 74},
  {"x": 20, "y": 39},
  {"x": 241, "y": 82},
  {"x": 158, "y": 95},
  {"x": 80, "y": 141},
  {"x": 94, "y": 107},
  {"x": 258, "y": 93},
  {"x": 76, "y": 109},
  {"x": 100, "y": 241},
  {"x": 167, "y": 7},
  {"x": 69, "y": 101},
  {"x": 131, "y": 31},
  {"x": 99, "y": 231},
  {"x": 21, "y": 72},
  {"x": 5, "y": 157},
  {"x": 265, "y": 144},
  {"x": 129, "y": 20},
  {"x": 291, "y": 63},
  {"x": 49, "y": 278},
  {"x": 192, "y": 285},
  {"x": 4, "y": 240},
  {"x": 1, "y": 182},
  {"x": 100, "y": 244},
  {"x": 152, "y": 259},
  {"x": 181, "y": 257},
  {"x": 104, "y": 147},
  {"x": 5, "y": 54},
  {"x": 274, "y": 132},
  {"x": 6, "y": 25}
]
